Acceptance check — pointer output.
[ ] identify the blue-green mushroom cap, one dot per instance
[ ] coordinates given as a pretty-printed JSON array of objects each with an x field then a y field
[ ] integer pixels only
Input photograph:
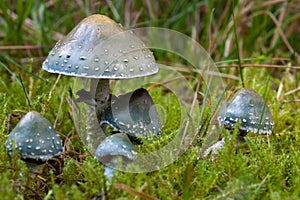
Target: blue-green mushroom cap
[
  {"x": 114, "y": 147},
  {"x": 98, "y": 47},
  {"x": 246, "y": 107},
  {"x": 34, "y": 139},
  {"x": 133, "y": 113}
]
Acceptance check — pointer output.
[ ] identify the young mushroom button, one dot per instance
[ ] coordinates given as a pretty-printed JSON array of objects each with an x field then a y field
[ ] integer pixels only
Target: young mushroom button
[
  {"x": 34, "y": 139},
  {"x": 248, "y": 108},
  {"x": 113, "y": 149}
]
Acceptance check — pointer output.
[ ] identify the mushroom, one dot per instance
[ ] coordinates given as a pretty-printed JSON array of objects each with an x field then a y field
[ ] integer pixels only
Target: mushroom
[
  {"x": 100, "y": 49},
  {"x": 113, "y": 150},
  {"x": 133, "y": 113},
  {"x": 34, "y": 140},
  {"x": 246, "y": 107}
]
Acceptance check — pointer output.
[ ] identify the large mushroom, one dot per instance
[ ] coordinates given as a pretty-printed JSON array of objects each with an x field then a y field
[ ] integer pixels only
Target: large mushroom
[
  {"x": 100, "y": 49},
  {"x": 34, "y": 140}
]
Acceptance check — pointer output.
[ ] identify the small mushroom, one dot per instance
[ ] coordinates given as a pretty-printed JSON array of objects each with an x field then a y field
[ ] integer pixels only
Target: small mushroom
[
  {"x": 100, "y": 49},
  {"x": 246, "y": 107},
  {"x": 133, "y": 113},
  {"x": 114, "y": 149},
  {"x": 34, "y": 140}
]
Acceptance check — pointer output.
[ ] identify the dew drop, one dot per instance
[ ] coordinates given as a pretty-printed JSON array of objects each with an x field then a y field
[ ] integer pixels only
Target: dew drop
[
  {"x": 106, "y": 62},
  {"x": 136, "y": 58},
  {"x": 82, "y": 57},
  {"x": 125, "y": 60}
]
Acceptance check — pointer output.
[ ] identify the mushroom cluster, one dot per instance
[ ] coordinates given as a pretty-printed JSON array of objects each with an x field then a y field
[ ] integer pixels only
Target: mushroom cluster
[
  {"x": 100, "y": 49},
  {"x": 34, "y": 139}
]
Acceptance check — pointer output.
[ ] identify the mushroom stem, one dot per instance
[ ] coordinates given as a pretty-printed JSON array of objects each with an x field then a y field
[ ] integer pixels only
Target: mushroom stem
[
  {"x": 109, "y": 172},
  {"x": 101, "y": 94}
]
